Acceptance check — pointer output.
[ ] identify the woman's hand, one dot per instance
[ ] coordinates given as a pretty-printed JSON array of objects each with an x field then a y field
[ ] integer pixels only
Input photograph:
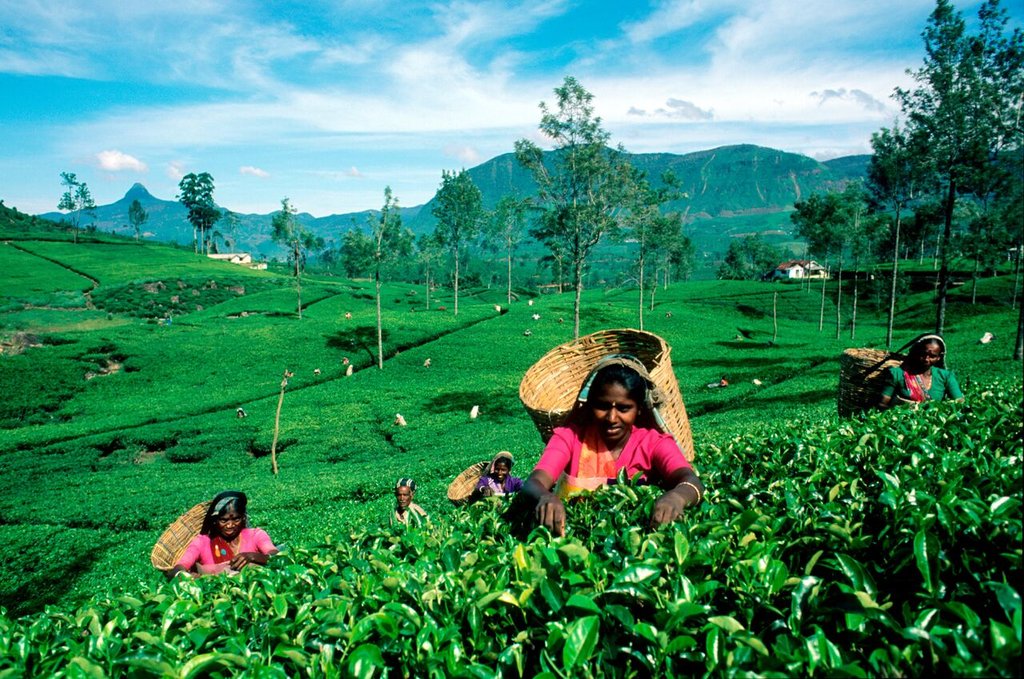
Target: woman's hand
[
  {"x": 668, "y": 508},
  {"x": 551, "y": 513},
  {"x": 686, "y": 491},
  {"x": 243, "y": 558},
  {"x": 549, "y": 509}
]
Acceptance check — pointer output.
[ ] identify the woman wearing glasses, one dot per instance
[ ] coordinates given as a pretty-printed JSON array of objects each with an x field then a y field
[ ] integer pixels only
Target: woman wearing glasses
[{"x": 225, "y": 542}]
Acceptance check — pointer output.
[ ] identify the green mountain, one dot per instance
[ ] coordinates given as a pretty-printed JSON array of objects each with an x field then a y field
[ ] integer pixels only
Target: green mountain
[{"x": 730, "y": 190}]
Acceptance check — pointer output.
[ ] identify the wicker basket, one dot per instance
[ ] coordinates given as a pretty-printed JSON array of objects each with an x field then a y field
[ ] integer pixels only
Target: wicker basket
[
  {"x": 862, "y": 375},
  {"x": 550, "y": 387},
  {"x": 172, "y": 544},
  {"x": 461, "y": 489}
]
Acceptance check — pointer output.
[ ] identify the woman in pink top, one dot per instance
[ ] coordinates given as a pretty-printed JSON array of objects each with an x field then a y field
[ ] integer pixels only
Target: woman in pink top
[
  {"x": 225, "y": 542},
  {"x": 614, "y": 425}
]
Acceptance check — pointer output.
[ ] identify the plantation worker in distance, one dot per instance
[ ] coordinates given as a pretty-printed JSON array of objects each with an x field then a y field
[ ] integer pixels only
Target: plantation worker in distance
[
  {"x": 614, "y": 425},
  {"x": 407, "y": 512},
  {"x": 922, "y": 376},
  {"x": 497, "y": 480},
  {"x": 225, "y": 542}
]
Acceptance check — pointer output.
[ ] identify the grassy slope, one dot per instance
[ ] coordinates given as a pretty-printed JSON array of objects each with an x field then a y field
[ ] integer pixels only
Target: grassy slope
[{"x": 110, "y": 461}]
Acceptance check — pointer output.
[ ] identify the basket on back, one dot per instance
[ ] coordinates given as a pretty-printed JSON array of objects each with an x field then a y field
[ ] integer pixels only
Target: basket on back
[
  {"x": 550, "y": 387},
  {"x": 862, "y": 375},
  {"x": 460, "y": 491},
  {"x": 172, "y": 544}
]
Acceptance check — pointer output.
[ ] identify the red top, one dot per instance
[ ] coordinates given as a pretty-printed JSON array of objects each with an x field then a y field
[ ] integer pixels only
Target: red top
[
  {"x": 252, "y": 540},
  {"x": 649, "y": 451}
]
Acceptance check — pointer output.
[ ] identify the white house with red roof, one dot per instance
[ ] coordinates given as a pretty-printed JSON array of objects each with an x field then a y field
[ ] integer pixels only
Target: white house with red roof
[{"x": 800, "y": 268}]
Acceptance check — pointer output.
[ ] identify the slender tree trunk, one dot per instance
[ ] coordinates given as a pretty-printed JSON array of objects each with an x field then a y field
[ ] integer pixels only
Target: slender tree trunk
[
  {"x": 1016, "y": 276},
  {"x": 947, "y": 230},
  {"x": 578, "y": 281},
  {"x": 892, "y": 288},
  {"x": 974, "y": 283},
  {"x": 456, "y": 280},
  {"x": 640, "y": 297},
  {"x": 1018, "y": 350},
  {"x": 277, "y": 424},
  {"x": 821, "y": 314},
  {"x": 853, "y": 313},
  {"x": 510, "y": 277},
  {"x": 380, "y": 334},
  {"x": 654, "y": 289},
  {"x": 298, "y": 284},
  {"x": 839, "y": 298},
  {"x": 775, "y": 316},
  {"x": 428, "y": 287}
]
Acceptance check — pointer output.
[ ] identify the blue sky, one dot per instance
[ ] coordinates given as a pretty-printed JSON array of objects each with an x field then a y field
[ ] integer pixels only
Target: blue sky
[{"x": 328, "y": 102}]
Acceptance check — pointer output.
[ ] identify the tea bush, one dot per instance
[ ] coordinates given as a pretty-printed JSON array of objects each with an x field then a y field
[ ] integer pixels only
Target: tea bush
[{"x": 886, "y": 545}]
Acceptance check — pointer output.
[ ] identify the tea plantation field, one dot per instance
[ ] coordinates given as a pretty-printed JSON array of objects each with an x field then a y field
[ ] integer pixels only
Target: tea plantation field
[{"x": 888, "y": 544}]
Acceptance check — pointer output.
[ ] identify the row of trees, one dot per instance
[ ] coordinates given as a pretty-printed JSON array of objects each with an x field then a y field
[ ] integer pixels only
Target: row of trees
[{"x": 948, "y": 176}]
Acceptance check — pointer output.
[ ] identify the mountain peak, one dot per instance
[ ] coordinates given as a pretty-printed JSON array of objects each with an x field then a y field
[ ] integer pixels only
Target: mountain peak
[{"x": 138, "y": 192}]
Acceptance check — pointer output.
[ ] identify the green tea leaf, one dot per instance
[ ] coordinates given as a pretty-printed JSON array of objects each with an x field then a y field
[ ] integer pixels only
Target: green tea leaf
[
  {"x": 580, "y": 641},
  {"x": 366, "y": 662}
]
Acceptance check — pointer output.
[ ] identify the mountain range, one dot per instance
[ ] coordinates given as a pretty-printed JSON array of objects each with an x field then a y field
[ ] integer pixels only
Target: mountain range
[{"x": 729, "y": 191}]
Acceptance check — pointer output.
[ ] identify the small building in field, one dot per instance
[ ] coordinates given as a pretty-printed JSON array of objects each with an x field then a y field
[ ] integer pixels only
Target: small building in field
[
  {"x": 242, "y": 258},
  {"x": 800, "y": 268}
]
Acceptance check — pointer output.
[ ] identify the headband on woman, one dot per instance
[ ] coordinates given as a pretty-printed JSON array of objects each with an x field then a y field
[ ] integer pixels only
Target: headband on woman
[
  {"x": 654, "y": 397},
  {"x": 931, "y": 338},
  {"x": 228, "y": 497}
]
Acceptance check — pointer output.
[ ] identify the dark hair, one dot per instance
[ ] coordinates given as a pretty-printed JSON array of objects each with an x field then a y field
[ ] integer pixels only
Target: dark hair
[
  {"x": 631, "y": 380},
  {"x": 228, "y": 500},
  {"x": 918, "y": 344}
]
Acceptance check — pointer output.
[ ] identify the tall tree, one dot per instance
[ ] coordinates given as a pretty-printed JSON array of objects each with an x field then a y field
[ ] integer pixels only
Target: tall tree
[
  {"x": 819, "y": 221},
  {"x": 863, "y": 233},
  {"x": 391, "y": 243},
  {"x": 505, "y": 230},
  {"x": 137, "y": 216},
  {"x": 356, "y": 253},
  {"x": 428, "y": 254},
  {"x": 894, "y": 181},
  {"x": 196, "y": 194},
  {"x": 749, "y": 259},
  {"x": 76, "y": 199},
  {"x": 645, "y": 226},
  {"x": 299, "y": 241},
  {"x": 579, "y": 184},
  {"x": 458, "y": 207},
  {"x": 962, "y": 108}
]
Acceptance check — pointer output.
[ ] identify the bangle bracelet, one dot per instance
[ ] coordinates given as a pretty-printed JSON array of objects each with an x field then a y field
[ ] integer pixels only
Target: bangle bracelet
[{"x": 696, "y": 490}]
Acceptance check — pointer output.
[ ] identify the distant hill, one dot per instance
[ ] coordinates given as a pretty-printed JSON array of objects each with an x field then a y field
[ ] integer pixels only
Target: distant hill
[{"x": 723, "y": 184}]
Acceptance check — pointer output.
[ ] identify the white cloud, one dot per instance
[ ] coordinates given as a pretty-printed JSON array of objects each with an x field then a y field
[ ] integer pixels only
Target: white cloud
[
  {"x": 353, "y": 172},
  {"x": 175, "y": 170},
  {"x": 115, "y": 161},
  {"x": 467, "y": 155},
  {"x": 253, "y": 171},
  {"x": 668, "y": 18}
]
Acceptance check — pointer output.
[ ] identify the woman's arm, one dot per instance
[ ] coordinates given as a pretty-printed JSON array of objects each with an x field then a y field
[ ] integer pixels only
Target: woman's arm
[
  {"x": 686, "y": 490},
  {"x": 260, "y": 549},
  {"x": 549, "y": 509}
]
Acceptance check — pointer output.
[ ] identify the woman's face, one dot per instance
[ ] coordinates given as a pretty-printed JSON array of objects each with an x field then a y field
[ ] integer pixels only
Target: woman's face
[
  {"x": 614, "y": 413},
  {"x": 928, "y": 354},
  {"x": 404, "y": 497},
  {"x": 500, "y": 472},
  {"x": 229, "y": 524}
]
